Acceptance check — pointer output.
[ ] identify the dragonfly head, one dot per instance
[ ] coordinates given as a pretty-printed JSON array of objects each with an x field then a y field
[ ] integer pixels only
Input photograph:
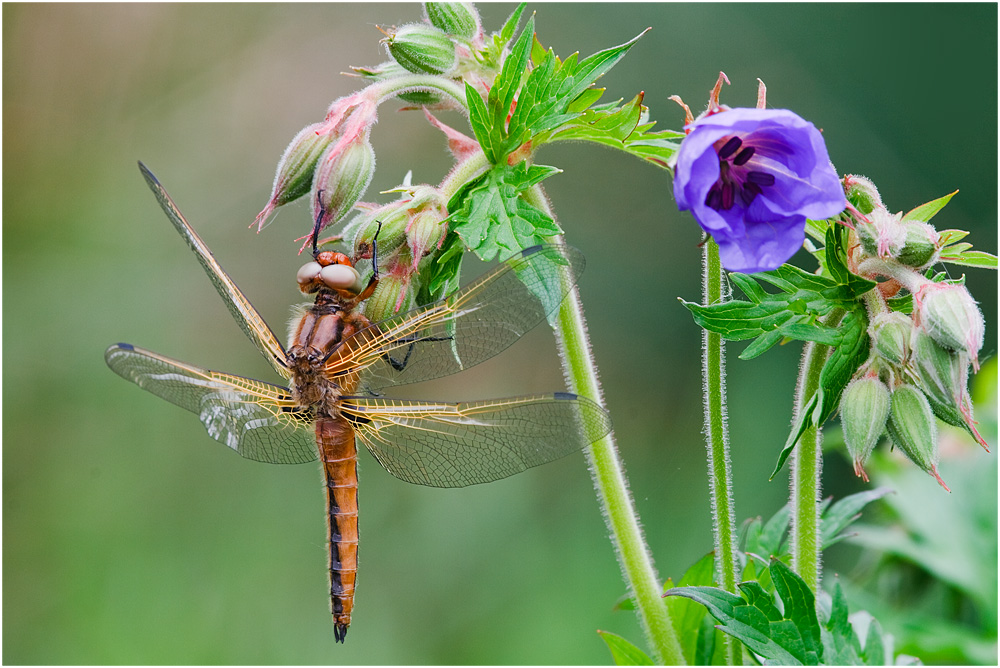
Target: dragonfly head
[{"x": 330, "y": 271}]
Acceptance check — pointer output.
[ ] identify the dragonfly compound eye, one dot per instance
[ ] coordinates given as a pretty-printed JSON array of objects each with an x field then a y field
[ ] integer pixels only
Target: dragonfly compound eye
[
  {"x": 341, "y": 277},
  {"x": 308, "y": 273}
]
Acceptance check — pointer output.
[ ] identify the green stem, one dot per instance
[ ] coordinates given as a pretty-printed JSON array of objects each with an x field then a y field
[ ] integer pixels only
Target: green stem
[
  {"x": 806, "y": 467},
  {"x": 388, "y": 88},
  {"x": 717, "y": 441},
  {"x": 609, "y": 478}
]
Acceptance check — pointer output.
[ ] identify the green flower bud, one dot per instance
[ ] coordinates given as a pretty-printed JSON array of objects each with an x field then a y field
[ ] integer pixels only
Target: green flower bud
[
  {"x": 393, "y": 294},
  {"x": 389, "y": 223},
  {"x": 455, "y": 18},
  {"x": 425, "y": 231},
  {"x": 944, "y": 377},
  {"x": 884, "y": 236},
  {"x": 862, "y": 193},
  {"x": 422, "y": 49},
  {"x": 950, "y": 315},
  {"x": 921, "y": 247},
  {"x": 891, "y": 334},
  {"x": 912, "y": 428},
  {"x": 342, "y": 176},
  {"x": 864, "y": 408},
  {"x": 294, "y": 175}
]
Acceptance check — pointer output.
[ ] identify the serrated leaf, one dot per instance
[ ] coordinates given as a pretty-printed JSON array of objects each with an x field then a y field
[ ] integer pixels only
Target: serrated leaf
[
  {"x": 792, "y": 638},
  {"x": 840, "y": 643},
  {"x": 492, "y": 215},
  {"x": 479, "y": 120},
  {"x": 510, "y": 25},
  {"x": 843, "y": 361},
  {"x": 925, "y": 212},
  {"x": 623, "y": 652},
  {"x": 971, "y": 258},
  {"x": 948, "y": 237}
]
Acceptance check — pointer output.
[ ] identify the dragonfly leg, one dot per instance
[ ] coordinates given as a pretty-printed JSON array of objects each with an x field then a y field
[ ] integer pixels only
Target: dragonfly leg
[{"x": 399, "y": 366}]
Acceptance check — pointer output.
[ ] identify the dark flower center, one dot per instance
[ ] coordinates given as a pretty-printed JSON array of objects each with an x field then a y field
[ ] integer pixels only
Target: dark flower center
[{"x": 735, "y": 179}]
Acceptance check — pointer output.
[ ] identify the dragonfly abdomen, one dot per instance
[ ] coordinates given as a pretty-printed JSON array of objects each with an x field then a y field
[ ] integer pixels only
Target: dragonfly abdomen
[{"x": 339, "y": 454}]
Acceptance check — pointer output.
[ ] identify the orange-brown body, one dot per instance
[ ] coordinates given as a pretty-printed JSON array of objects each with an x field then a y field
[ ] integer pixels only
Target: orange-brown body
[{"x": 317, "y": 343}]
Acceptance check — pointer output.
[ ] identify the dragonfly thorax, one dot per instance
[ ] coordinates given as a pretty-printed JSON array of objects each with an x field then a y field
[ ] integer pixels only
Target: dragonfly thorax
[{"x": 317, "y": 343}]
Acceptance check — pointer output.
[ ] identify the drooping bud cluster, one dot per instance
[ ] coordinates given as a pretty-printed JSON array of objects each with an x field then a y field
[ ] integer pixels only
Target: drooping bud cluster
[
  {"x": 920, "y": 357},
  {"x": 402, "y": 234}
]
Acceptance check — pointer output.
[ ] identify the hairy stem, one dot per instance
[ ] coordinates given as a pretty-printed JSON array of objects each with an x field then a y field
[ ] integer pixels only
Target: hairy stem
[
  {"x": 720, "y": 476},
  {"x": 609, "y": 478},
  {"x": 806, "y": 467}
]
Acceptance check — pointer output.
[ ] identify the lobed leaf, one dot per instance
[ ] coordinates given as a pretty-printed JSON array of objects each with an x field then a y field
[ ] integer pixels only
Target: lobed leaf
[{"x": 623, "y": 652}]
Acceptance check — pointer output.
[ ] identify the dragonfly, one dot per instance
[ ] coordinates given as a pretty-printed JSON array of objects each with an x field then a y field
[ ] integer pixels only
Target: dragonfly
[{"x": 337, "y": 366}]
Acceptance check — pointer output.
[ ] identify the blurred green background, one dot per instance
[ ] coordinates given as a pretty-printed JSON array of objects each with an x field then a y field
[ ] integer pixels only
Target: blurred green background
[{"x": 131, "y": 537}]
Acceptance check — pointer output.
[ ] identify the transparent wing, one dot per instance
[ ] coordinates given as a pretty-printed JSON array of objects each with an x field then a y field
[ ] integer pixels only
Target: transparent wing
[
  {"x": 239, "y": 306},
  {"x": 466, "y": 328},
  {"x": 256, "y": 419},
  {"x": 460, "y": 444}
]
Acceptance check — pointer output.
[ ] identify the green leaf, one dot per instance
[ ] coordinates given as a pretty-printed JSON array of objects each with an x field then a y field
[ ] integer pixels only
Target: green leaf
[
  {"x": 686, "y": 615},
  {"x": 623, "y": 652},
  {"x": 792, "y": 638},
  {"x": 844, "y": 512},
  {"x": 970, "y": 258},
  {"x": 925, "y": 212},
  {"x": 948, "y": 237},
  {"x": 802, "y": 420},
  {"x": 479, "y": 120},
  {"x": 840, "y": 643},
  {"x": 762, "y": 344},
  {"x": 492, "y": 216},
  {"x": 844, "y": 360},
  {"x": 510, "y": 25}
]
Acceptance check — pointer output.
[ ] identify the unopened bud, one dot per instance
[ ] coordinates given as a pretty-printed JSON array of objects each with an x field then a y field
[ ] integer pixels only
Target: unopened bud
[
  {"x": 294, "y": 175},
  {"x": 864, "y": 408},
  {"x": 422, "y": 49},
  {"x": 455, "y": 18},
  {"x": 921, "y": 247},
  {"x": 884, "y": 236},
  {"x": 388, "y": 223},
  {"x": 944, "y": 377},
  {"x": 342, "y": 176},
  {"x": 950, "y": 315},
  {"x": 393, "y": 294},
  {"x": 862, "y": 193},
  {"x": 424, "y": 233},
  {"x": 891, "y": 333},
  {"x": 912, "y": 428}
]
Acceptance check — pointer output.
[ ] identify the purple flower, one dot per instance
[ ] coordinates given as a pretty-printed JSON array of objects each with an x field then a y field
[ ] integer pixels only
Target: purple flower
[{"x": 751, "y": 177}]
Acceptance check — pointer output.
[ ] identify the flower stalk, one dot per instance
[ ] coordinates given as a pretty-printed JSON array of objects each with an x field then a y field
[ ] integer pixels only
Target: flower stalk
[
  {"x": 806, "y": 466},
  {"x": 717, "y": 440},
  {"x": 608, "y": 474}
]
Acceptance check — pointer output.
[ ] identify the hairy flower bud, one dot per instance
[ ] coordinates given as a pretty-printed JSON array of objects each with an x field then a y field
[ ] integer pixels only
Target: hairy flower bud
[
  {"x": 389, "y": 223},
  {"x": 950, "y": 315},
  {"x": 342, "y": 176},
  {"x": 862, "y": 193},
  {"x": 455, "y": 18},
  {"x": 391, "y": 69},
  {"x": 891, "y": 333},
  {"x": 422, "y": 49},
  {"x": 920, "y": 249},
  {"x": 884, "y": 236},
  {"x": 394, "y": 294},
  {"x": 912, "y": 428},
  {"x": 944, "y": 377},
  {"x": 864, "y": 408},
  {"x": 424, "y": 233},
  {"x": 294, "y": 175}
]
